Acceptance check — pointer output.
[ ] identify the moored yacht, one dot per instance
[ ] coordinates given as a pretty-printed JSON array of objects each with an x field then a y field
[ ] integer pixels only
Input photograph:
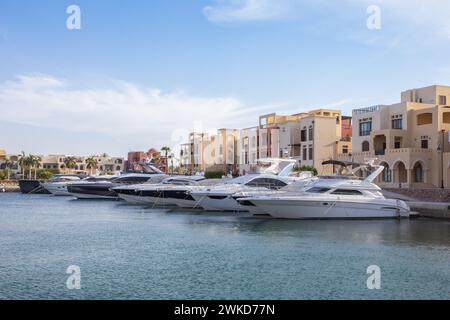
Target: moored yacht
[
  {"x": 273, "y": 174},
  {"x": 57, "y": 185},
  {"x": 333, "y": 197},
  {"x": 103, "y": 189},
  {"x": 151, "y": 193}
]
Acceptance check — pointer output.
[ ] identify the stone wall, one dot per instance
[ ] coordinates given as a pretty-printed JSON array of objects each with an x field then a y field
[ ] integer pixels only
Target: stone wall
[{"x": 429, "y": 194}]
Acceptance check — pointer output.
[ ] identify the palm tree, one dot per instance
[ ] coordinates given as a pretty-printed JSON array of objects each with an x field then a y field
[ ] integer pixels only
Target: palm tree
[
  {"x": 70, "y": 162},
  {"x": 27, "y": 162},
  {"x": 9, "y": 164},
  {"x": 36, "y": 163},
  {"x": 172, "y": 157},
  {"x": 21, "y": 163},
  {"x": 91, "y": 163},
  {"x": 166, "y": 152}
]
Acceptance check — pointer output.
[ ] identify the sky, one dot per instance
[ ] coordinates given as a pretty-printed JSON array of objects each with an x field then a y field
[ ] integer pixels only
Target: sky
[{"x": 142, "y": 74}]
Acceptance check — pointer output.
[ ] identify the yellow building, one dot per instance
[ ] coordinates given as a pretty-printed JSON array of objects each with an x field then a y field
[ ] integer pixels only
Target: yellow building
[{"x": 409, "y": 138}]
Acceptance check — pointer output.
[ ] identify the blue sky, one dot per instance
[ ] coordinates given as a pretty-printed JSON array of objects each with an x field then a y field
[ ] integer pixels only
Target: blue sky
[{"x": 144, "y": 73}]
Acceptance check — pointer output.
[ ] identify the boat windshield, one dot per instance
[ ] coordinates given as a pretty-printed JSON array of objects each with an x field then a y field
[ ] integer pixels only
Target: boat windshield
[{"x": 318, "y": 190}]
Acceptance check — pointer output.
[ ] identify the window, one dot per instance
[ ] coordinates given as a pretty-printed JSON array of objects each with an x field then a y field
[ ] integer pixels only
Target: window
[
  {"x": 346, "y": 192},
  {"x": 266, "y": 183},
  {"x": 443, "y": 100},
  {"x": 310, "y": 133},
  {"x": 318, "y": 190},
  {"x": 344, "y": 149},
  {"x": 397, "y": 142},
  {"x": 310, "y": 152},
  {"x": 136, "y": 179},
  {"x": 424, "y": 143},
  {"x": 446, "y": 117},
  {"x": 304, "y": 152},
  {"x": 397, "y": 121},
  {"x": 365, "y": 146},
  {"x": 424, "y": 118},
  {"x": 418, "y": 172},
  {"x": 387, "y": 174},
  {"x": 365, "y": 127},
  {"x": 303, "y": 135}
]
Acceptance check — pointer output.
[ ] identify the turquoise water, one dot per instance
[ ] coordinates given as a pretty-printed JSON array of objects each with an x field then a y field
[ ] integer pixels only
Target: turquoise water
[{"x": 130, "y": 252}]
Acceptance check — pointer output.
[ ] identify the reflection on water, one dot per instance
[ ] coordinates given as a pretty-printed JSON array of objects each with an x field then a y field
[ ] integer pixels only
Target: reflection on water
[
  {"x": 388, "y": 232},
  {"x": 168, "y": 253}
]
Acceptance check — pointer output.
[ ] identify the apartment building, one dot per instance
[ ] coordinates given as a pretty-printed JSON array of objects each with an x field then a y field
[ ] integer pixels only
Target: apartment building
[
  {"x": 248, "y": 149},
  {"x": 227, "y": 156},
  {"x": 309, "y": 137},
  {"x": 409, "y": 138},
  {"x": 105, "y": 163},
  {"x": 198, "y": 153}
]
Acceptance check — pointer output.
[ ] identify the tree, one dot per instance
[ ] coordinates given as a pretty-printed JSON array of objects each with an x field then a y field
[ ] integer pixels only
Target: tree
[
  {"x": 305, "y": 168},
  {"x": 70, "y": 162},
  {"x": 166, "y": 151},
  {"x": 21, "y": 163},
  {"x": 91, "y": 163},
  {"x": 27, "y": 163},
  {"x": 35, "y": 163},
  {"x": 9, "y": 164}
]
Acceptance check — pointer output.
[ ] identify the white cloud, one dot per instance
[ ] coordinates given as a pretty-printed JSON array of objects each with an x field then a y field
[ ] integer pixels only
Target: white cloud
[
  {"x": 246, "y": 10},
  {"x": 124, "y": 111}
]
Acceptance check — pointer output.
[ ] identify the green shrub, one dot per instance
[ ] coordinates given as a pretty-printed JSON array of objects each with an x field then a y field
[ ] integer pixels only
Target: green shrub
[
  {"x": 45, "y": 174},
  {"x": 306, "y": 168},
  {"x": 214, "y": 174},
  {"x": 3, "y": 174}
]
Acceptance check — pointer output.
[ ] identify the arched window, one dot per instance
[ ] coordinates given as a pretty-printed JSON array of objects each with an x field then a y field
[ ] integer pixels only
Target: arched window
[
  {"x": 365, "y": 146},
  {"x": 418, "y": 172},
  {"x": 387, "y": 173}
]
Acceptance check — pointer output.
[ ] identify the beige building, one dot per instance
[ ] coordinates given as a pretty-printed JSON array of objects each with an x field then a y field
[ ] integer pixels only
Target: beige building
[
  {"x": 193, "y": 157},
  {"x": 227, "y": 150},
  {"x": 248, "y": 149},
  {"x": 105, "y": 164},
  {"x": 309, "y": 137},
  {"x": 409, "y": 138},
  {"x": 211, "y": 152}
]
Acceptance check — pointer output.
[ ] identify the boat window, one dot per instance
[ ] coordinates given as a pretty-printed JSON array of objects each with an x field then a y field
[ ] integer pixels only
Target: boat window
[
  {"x": 318, "y": 190},
  {"x": 267, "y": 183},
  {"x": 132, "y": 179},
  {"x": 346, "y": 192}
]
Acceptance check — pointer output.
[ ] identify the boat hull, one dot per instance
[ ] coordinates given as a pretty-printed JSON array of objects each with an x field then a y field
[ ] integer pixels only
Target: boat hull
[
  {"x": 218, "y": 202},
  {"x": 307, "y": 209},
  {"x": 92, "y": 191},
  {"x": 57, "y": 189},
  {"x": 32, "y": 186}
]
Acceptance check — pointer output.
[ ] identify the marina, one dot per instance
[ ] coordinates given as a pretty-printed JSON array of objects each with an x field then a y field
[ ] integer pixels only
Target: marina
[{"x": 135, "y": 252}]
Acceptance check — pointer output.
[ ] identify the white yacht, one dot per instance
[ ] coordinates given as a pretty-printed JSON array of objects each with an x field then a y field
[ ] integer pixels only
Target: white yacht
[
  {"x": 333, "y": 197},
  {"x": 275, "y": 176},
  {"x": 153, "y": 193},
  {"x": 103, "y": 189},
  {"x": 57, "y": 185}
]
